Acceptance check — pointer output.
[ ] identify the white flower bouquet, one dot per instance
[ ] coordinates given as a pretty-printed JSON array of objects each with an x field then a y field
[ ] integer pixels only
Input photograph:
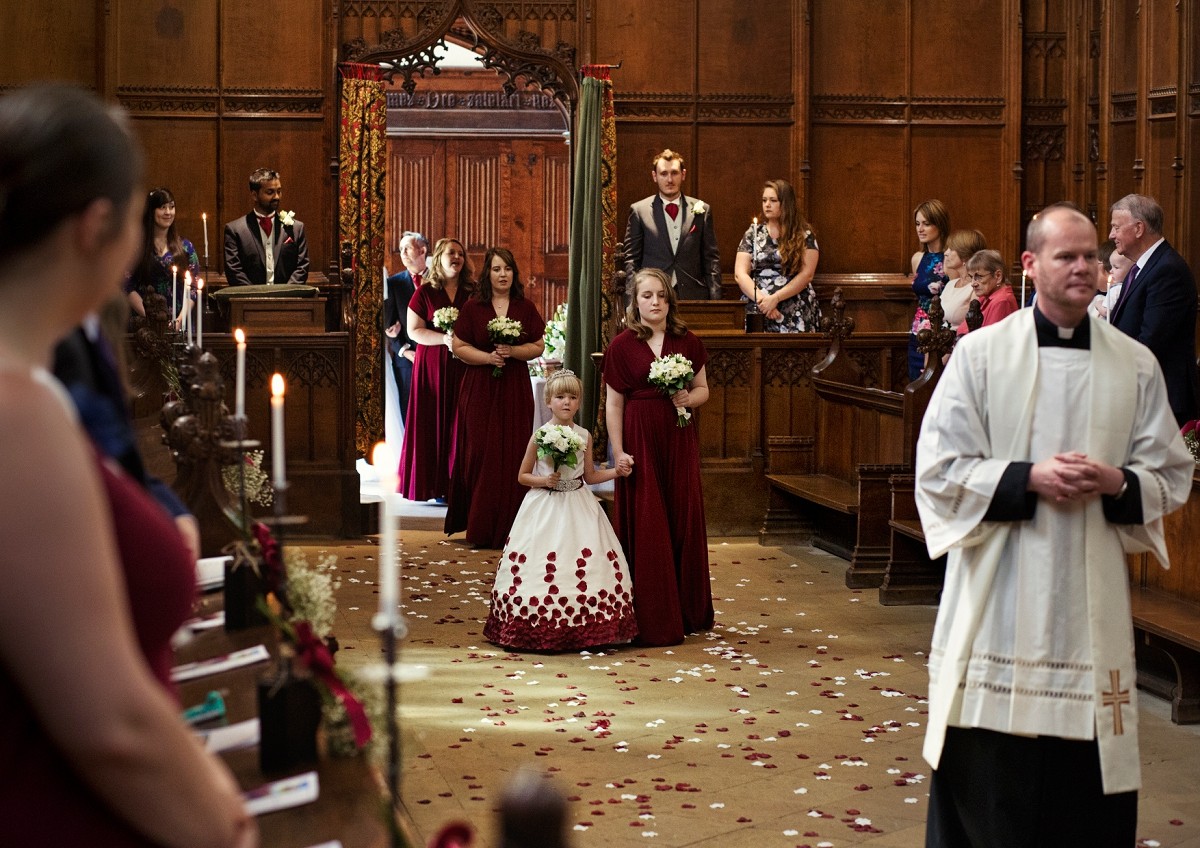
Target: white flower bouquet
[
  {"x": 444, "y": 318},
  {"x": 670, "y": 374},
  {"x": 503, "y": 331},
  {"x": 559, "y": 443}
]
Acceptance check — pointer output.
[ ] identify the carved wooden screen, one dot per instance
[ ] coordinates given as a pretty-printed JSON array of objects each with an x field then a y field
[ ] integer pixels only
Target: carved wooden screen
[{"x": 486, "y": 192}]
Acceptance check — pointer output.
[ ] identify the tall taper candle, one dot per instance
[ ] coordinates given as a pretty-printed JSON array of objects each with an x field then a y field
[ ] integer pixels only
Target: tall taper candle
[
  {"x": 199, "y": 313},
  {"x": 278, "y": 475},
  {"x": 187, "y": 313},
  {"x": 239, "y": 409},
  {"x": 1021, "y": 305},
  {"x": 174, "y": 291},
  {"x": 204, "y": 217},
  {"x": 389, "y": 590}
]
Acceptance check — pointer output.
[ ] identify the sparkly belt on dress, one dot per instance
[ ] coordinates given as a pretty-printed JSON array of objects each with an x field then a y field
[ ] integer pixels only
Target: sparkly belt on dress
[{"x": 567, "y": 485}]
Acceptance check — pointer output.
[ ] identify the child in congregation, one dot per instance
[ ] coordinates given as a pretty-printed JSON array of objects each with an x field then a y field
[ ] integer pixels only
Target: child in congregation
[{"x": 562, "y": 582}]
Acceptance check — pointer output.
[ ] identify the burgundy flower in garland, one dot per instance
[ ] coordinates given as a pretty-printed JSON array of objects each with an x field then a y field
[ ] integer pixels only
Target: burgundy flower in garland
[{"x": 273, "y": 572}]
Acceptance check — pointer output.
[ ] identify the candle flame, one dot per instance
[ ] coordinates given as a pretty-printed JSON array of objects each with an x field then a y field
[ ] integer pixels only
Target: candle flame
[
  {"x": 239, "y": 336},
  {"x": 199, "y": 283},
  {"x": 204, "y": 217},
  {"x": 187, "y": 277},
  {"x": 173, "y": 269},
  {"x": 277, "y": 385},
  {"x": 756, "y": 221}
]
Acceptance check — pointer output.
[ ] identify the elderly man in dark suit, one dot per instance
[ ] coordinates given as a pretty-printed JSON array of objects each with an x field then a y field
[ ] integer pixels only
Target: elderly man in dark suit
[
  {"x": 673, "y": 232},
  {"x": 401, "y": 352},
  {"x": 267, "y": 246},
  {"x": 1157, "y": 304}
]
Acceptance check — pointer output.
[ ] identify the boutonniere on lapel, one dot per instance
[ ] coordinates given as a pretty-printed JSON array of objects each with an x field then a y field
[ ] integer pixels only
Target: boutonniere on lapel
[
  {"x": 287, "y": 218},
  {"x": 698, "y": 209}
]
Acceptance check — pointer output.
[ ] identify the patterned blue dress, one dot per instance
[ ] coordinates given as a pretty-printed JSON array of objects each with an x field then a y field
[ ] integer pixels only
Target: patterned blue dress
[
  {"x": 929, "y": 270},
  {"x": 801, "y": 313}
]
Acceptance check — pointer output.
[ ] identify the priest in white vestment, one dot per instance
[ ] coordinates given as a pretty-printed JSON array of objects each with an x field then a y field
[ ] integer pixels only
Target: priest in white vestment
[{"x": 1048, "y": 452}]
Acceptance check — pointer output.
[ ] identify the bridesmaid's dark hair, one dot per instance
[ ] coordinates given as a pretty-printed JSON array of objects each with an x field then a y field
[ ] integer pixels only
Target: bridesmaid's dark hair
[
  {"x": 633, "y": 318},
  {"x": 155, "y": 200},
  {"x": 483, "y": 290},
  {"x": 61, "y": 149}
]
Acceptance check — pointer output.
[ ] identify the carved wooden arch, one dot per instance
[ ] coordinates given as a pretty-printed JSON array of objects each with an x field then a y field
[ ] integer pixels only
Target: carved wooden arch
[{"x": 476, "y": 26}]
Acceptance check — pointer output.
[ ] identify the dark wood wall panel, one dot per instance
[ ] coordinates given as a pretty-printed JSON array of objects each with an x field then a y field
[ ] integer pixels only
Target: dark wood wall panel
[
  {"x": 179, "y": 36},
  {"x": 969, "y": 178},
  {"x": 860, "y": 48},
  {"x": 630, "y": 32},
  {"x": 51, "y": 39},
  {"x": 733, "y": 183},
  {"x": 1162, "y": 49},
  {"x": 745, "y": 53},
  {"x": 181, "y": 154},
  {"x": 274, "y": 47},
  {"x": 857, "y": 197}
]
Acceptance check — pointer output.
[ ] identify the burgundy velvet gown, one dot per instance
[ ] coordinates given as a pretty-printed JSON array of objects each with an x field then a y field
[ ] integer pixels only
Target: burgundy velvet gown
[
  {"x": 495, "y": 421},
  {"x": 42, "y": 800},
  {"x": 659, "y": 509},
  {"x": 429, "y": 423}
]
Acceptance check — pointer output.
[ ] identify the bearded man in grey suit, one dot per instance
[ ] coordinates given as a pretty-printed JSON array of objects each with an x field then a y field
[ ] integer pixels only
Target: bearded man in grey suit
[
  {"x": 266, "y": 246},
  {"x": 674, "y": 233}
]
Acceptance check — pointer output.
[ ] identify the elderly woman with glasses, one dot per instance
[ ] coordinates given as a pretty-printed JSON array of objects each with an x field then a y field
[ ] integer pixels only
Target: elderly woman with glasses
[{"x": 985, "y": 273}]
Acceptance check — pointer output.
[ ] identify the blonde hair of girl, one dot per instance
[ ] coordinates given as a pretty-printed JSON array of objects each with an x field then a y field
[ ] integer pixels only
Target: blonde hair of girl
[{"x": 562, "y": 382}]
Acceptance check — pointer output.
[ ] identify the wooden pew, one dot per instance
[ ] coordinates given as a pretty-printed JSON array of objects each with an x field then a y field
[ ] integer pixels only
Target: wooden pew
[
  {"x": 830, "y": 489},
  {"x": 1166, "y": 615}
]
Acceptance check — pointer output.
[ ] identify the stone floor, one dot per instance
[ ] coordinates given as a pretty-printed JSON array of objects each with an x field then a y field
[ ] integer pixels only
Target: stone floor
[{"x": 797, "y": 721}]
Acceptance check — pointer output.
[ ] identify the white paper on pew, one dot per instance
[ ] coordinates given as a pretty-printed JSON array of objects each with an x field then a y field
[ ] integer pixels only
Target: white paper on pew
[
  {"x": 206, "y": 622},
  {"x": 210, "y": 572},
  {"x": 226, "y": 662},
  {"x": 282, "y": 794},
  {"x": 244, "y": 734},
  {"x": 336, "y": 843}
]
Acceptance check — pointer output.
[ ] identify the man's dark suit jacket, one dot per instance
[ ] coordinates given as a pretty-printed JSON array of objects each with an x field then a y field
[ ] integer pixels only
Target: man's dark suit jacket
[
  {"x": 246, "y": 258},
  {"x": 395, "y": 308},
  {"x": 696, "y": 262},
  {"x": 1159, "y": 310}
]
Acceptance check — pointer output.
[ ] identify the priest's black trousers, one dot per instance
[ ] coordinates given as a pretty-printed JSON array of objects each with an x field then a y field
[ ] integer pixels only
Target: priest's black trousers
[{"x": 994, "y": 790}]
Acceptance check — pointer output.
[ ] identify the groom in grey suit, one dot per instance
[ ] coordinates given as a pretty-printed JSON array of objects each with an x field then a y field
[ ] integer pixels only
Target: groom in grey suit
[
  {"x": 266, "y": 246},
  {"x": 673, "y": 232}
]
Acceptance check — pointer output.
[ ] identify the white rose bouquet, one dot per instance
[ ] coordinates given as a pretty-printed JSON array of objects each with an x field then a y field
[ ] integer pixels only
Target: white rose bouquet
[
  {"x": 670, "y": 374},
  {"x": 560, "y": 443},
  {"x": 444, "y": 318},
  {"x": 503, "y": 331}
]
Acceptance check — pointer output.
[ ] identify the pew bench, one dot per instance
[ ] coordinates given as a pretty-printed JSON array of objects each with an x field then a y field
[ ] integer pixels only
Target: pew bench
[
  {"x": 911, "y": 576},
  {"x": 1167, "y": 645}
]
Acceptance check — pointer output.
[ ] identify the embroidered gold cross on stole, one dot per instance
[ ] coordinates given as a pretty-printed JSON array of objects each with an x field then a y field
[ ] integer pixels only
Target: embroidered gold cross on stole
[{"x": 1115, "y": 699}]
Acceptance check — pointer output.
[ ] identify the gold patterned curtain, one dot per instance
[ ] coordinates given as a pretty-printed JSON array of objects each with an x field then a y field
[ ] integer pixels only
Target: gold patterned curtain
[{"x": 361, "y": 164}]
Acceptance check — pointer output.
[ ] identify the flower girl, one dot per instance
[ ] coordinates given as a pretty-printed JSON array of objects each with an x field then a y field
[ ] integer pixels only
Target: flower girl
[{"x": 562, "y": 582}]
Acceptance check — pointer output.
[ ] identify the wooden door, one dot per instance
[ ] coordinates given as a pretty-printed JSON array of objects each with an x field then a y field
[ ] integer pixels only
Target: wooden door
[{"x": 506, "y": 192}]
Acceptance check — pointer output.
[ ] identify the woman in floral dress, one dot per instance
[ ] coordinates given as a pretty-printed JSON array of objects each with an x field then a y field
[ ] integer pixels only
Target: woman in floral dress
[
  {"x": 933, "y": 225},
  {"x": 776, "y": 262}
]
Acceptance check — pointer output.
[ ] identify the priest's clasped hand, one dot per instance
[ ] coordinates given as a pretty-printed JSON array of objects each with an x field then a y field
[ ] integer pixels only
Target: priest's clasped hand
[{"x": 1074, "y": 476}]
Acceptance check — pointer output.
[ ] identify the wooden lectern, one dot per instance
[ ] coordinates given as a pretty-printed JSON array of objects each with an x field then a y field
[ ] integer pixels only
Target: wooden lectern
[{"x": 287, "y": 310}]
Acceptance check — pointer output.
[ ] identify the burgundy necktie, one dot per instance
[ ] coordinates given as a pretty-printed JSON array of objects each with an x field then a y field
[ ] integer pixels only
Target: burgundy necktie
[
  {"x": 1129, "y": 278},
  {"x": 267, "y": 224},
  {"x": 672, "y": 209}
]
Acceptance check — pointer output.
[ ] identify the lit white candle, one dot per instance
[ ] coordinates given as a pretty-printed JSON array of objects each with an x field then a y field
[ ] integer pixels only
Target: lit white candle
[
  {"x": 754, "y": 257},
  {"x": 278, "y": 476},
  {"x": 1022, "y": 304},
  {"x": 389, "y": 588},
  {"x": 204, "y": 217},
  {"x": 199, "y": 313},
  {"x": 174, "y": 290},
  {"x": 240, "y": 393},
  {"x": 187, "y": 313}
]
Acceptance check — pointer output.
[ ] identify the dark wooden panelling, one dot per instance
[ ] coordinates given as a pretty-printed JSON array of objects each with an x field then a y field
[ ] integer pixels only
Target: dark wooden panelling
[
  {"x": 191, "y": 178},
  {"x": 859, "y": 207},
  {"x": 859, "y": 49},
  {"x": 632, "y": 32},
  {"x": 273, "y": 47},
  {"x": 175, "y": 36},
  {"x": 51, "y": 39},
  {"x": 744, "y": 50}
]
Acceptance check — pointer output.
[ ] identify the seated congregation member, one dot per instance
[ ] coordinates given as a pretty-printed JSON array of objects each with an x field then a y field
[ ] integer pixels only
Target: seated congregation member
[
  {"x": 495, "y": 404},
  {"x": 956, "y": 293},
  {"x": 96, "y": 577},
  {"x": 1048, "y": 453},
  {"x": 928, "y": 272},
  {"x": 164, "y": 249},
  {"x": 659, "y": 508},
  {"x": 433, "y": 398},
  {"x": 561, "y": 546},
  {"x": 266, "y": 246},
  {"x": 401, "y": 288},
  {"x": 776, "y": 262},
  {"x": 985, "y": 270}
]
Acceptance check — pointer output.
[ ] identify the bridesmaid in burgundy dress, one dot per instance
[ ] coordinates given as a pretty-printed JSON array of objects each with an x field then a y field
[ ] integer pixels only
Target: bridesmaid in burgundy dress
[
  {"x": 429, "y": 435},
  {"x": 659, "y": 509},
  {"x": 495, "y": 413}
]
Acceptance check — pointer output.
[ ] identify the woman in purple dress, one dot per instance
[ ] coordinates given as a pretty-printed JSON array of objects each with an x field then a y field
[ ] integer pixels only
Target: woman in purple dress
[
  {"x": 429, "y": 435},
  {"x": 659, "y": 508},
  {"x": 495, "y": 410}
]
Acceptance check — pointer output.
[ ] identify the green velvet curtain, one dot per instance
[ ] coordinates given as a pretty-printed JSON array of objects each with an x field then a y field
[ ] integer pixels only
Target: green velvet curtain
[
  {"x": 593, "y": 243},
  {"x": 362, "y": 159}
]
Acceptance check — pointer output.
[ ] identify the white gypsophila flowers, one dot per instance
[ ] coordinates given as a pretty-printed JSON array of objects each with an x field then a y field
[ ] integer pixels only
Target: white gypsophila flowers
[{"x": 444, "y": 318}]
